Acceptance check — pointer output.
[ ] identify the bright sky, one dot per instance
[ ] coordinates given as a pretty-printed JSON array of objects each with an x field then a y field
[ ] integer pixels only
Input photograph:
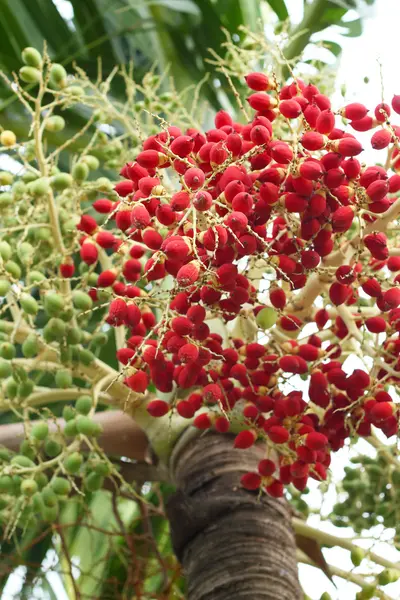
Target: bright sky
[{"x": 359, "y": 60}]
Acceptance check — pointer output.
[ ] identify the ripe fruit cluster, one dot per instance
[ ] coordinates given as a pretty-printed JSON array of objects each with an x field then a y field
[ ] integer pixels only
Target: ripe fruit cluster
[{"x": 283, "y": 193}]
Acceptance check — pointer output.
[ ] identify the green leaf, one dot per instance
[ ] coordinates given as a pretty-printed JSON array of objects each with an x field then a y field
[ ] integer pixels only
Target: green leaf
[
  {"x": 333, "y": 47},
  {"x": 184, "y": 6},
  {"x": 354, "y": 28},
  {"x": 279, "y": 8}
]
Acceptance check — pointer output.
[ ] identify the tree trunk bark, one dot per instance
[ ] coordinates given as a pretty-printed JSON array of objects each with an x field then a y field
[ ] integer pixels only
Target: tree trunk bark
[{"x": 232, "y": 543}]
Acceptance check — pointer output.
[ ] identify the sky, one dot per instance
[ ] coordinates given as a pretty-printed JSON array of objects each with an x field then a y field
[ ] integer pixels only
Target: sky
[{"x": 360, "y": 60}]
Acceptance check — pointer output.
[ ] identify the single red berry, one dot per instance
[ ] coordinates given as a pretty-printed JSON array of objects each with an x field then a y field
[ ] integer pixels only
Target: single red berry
[
  {"x": 250, "y": 481},
  {"x": 158, "y": 408}
]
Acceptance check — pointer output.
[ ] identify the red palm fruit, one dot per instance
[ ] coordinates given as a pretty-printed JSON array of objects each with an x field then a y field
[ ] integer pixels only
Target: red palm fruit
[
  {"x": 278, "y": 434},
  {"x": 236, "y": 221},
  {"x": 260, "y": 135},
  {"x": 351, "y": 168},
  {"x": 67, "y": 269},
  {"x": 377, "y": 245},
  {"x": 376, "y": 324},
  {"x": 290, "y": 109},
  {"x": 275, "y": 489},
  {"x": 89, "y": 253},
  {"x": 311, "y": 170},
  {"x": 396, "y": 104},
  {"x": 333, "y": 178},
  {"x": 223, "y": 119},
  {"x": 391, "y": 298},
  {"x": 295, "y": 203},
  {"x": 202, "y": 421},
  {"x": 299, "y": 470},
  {"x": 158, "y": 408},
  {"x": 393, "y": 263},
  {"x": 285, "y": 263},
  {"x": 281, "y": 153},
  {"x": 123, "y": 219},
  {"x": 255, "y": 350},
  {"x": 354, "y": 111},
  {"x": 117, "y": 312},
  {"x": 372, "y": 174},
  {"x": 242, "y": 202},
  {"x": 154, "y": 269},
  {"x": 140, "y": 217},
  {"x": 196, "y": 314},
  {"x": 180, "y": 201},
  {"x": 137, "y": 382},
  {"x": 261, "y": 101},
  {"x": 124, "y": 188},
  {"x": 182, "y": 146},
  {"x": 345, "y": 274},
  {"x": 308, "y": 352},
  {"x": 322, "y": 101},
  {"x": 377, "y": 190},
  {"x": 312, "y": 140},
  {"x": 269, "y": 192},
  {"x": 105, "y": 239},
  {"x": 87, "y": 224},
  {"x": 182, "y": 325},
  {"x": 245, "y": 439},
  {"x": 371, "y": 287},
  {"x": 358, "y": 379},
  {"x": 394, "y": 183},
  {"x": 321, "y": 318},
  {"x": 212, "y": 393},
  {"x": 364, "y": 124},
  {"x": 222, "y": 424},
  {"x": 316, "y": 441},
  {"x": 277, "y": 297},
  {"x": 218, "y": 154},
  {"x": 185, "y": 409},
  {"x": 311, "y": 114},
  {"x": 188, "y": 274},
  {"x": 290, "y": 323},
  {"x": 251, "y": 412},
  {"x": 266, "y": 467},
  {"x": 289, "y": 364},
  {"x": 381, "y": 139},
  {"x": 347, "y": 146},
  {"x": 342, "y": 219},
  {"x": 133, "y": 315},
  {"x": 150, "y": 159},
  {"x": 381, "y": 411},
  {"x": 124, "y": 355},
  {"x": 310, "y": 259},
  {"x": 325, "y": 122},
  {"x": 250, "y": 481},
  {"x": 106, "y": 278},
  {"x": 380, "y": 111},
  {"x": 188, "y": 353},
  {"x": 103, "y": 206},
  {"x": 319, "y": 472},
  {"x": 258, "y": 82},
  {"x": 194, "y": 178},
  {"x": 152, "y": 239}
]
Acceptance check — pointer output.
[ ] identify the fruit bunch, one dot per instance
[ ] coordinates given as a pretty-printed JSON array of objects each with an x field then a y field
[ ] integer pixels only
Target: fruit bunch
[{"x": 284, "y": 194}]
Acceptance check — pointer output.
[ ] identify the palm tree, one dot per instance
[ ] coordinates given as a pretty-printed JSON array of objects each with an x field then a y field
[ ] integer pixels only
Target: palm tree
[{"x": 117, "y": 538}]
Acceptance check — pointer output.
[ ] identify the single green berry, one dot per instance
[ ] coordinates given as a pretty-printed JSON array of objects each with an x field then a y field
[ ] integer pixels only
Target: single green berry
[
  {"x": 93, "y": 482},
  {"x": 68, "y": 413},
  {"x": 74, "y": 335},
  {"x": 49, "y": 496},
  {"x": 53, "y": 303},
  {"x": 61, "y": 181},
  {"x": 92, "y": 162},
  {"x": 27, "y": 450},
  {"x": 80, "y": 172},
  {"x": 7, "y": 351},
  {"x": 86, "y": 357},
  {"x": 30, "y": 74},
  {"x": 267, "y": 317},
  {"x": 54, "y": 124},
  {"x": 35, "y": 277},
  {"x": 29, "y": 487},
  {"x": 40, "y": 187},
  {"x": 5, "y": 287},
  {"x": 73, "y": 463},
  {"x": 28, "y": 304},
  {"x": 87, "y": 426},
  {"x": 58, "y": 75},
  {"x": 13, "y": 268},
  {"x": 6, "y": 199},
  {"x": 32, "y": 57},
  {"x": 11, "y": 388},
  {"x": 40, "y": 431},
  {"x": 49, "y": 513},
  {"x": 60, "y": 486},
  {"x": 81, "y": 300},
  {"x": 6, "y": 484},
  {"x": 70, "y": 428},
  {"x": 83, "y": 405},
  {"x": 63, "y": 379},
  {"x": 22, "y": 461},
  {"x": 52, "y": 448},
  {"x": 30, "y": 346},
  {"x": 5, "y": 250},
  {"x": 357, "y": 555}
]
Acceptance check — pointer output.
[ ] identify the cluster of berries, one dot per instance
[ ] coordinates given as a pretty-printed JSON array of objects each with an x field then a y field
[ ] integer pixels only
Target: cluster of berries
[{"x": 197, "y": 211}]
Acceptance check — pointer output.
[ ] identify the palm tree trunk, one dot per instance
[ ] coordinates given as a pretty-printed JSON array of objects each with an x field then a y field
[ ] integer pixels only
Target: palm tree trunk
[{"x": 231, "y": 543}]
